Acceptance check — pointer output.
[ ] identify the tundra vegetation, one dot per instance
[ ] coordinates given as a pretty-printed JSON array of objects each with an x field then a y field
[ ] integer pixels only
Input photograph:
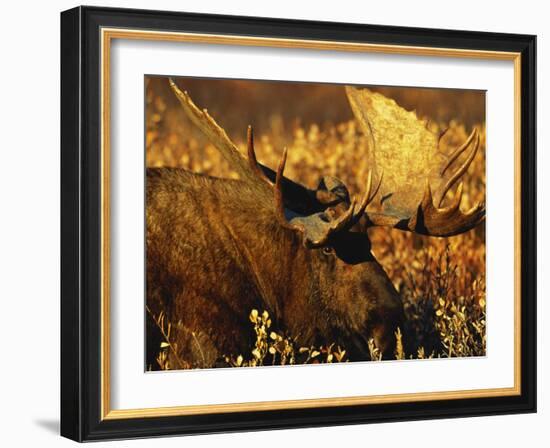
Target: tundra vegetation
[{"x": 438, "y": 280}]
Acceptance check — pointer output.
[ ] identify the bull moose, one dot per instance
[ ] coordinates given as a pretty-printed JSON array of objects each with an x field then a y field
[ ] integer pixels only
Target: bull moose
[{"x": 218, "y": 248}]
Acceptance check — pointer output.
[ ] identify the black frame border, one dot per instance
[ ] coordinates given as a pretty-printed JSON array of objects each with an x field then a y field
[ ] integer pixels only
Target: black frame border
[{"x": 81, "y": 223}]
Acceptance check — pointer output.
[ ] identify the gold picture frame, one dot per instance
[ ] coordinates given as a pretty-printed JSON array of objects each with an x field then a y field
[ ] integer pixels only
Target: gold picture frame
[{"x": 113, "y": 423}]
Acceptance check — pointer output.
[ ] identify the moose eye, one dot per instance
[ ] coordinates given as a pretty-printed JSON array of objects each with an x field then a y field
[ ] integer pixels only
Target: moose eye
[{"x": 327, "y": 250}]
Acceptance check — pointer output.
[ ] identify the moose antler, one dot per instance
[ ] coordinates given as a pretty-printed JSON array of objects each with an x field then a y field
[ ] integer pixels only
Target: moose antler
[
  {"x": 214, "y": 133},
  {"x": 418, "y": 175},
  {"x": 297, "y": 196}
]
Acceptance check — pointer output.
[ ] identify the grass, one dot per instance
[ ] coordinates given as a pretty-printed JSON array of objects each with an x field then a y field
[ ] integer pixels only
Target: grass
[{"x": 441, "y": 280}]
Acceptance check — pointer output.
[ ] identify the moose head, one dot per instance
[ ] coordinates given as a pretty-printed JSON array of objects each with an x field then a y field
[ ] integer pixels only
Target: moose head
[{"x": 324, "y": 229}]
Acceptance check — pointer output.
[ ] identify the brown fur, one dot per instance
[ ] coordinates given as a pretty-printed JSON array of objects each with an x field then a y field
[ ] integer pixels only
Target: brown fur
[{"x": 215, "y": 251}]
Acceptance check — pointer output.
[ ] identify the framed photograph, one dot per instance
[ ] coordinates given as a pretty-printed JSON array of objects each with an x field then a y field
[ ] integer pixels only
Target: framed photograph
[{"x": 273, "y": 224}]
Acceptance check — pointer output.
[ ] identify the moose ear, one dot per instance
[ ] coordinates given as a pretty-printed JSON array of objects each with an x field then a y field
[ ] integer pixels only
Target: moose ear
[{"x": 332, "y": 191}]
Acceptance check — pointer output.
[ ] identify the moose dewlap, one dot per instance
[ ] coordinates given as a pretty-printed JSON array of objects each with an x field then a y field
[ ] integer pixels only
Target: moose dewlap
[{"x": 264, "y": 270}]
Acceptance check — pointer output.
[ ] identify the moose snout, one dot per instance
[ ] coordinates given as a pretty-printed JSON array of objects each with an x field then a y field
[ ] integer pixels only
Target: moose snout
[
  {"x": 385, "y": 313},
  {"x": 386, "y": 320}
]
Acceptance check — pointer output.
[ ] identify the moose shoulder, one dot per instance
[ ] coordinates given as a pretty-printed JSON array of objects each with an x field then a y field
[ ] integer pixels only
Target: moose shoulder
[{"x": 218, "y": 248}]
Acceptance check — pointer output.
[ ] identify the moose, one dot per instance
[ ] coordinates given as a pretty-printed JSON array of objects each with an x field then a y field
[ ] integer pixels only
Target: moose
[{"x": 218, "y": 248}]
